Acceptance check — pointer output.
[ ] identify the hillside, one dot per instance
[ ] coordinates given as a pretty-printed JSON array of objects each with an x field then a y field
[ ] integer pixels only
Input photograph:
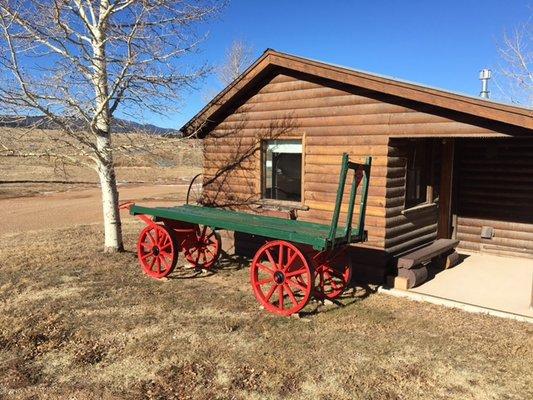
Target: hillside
[{"x": 119, "y": 125}]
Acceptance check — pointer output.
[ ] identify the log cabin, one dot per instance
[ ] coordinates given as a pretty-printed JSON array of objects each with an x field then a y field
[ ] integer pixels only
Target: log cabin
[{"x": 444, "y": 165}]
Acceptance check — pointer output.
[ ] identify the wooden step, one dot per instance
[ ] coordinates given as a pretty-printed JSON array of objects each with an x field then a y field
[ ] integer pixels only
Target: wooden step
[{"x": 426, "y": 253}]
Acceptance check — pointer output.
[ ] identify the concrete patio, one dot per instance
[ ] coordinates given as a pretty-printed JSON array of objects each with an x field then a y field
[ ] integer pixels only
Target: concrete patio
[{"x": 501, "y": 284}]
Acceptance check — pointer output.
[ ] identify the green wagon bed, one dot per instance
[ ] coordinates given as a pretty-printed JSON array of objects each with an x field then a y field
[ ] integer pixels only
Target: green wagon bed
[{"x": 316, "y": 235}]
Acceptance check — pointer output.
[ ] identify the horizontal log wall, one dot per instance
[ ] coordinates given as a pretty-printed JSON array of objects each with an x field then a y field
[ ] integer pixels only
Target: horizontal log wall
[
  {"x": 331, "y": 119},
  {"x": 495, "y": 189},
  {"x": 407, "y": 229}
]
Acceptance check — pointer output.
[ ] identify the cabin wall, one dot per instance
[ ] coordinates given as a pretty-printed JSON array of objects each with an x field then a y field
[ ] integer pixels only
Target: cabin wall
[
  {"x": 410, "y": 228},
  {"x": 329, "y": 118},
  {"x": 494, "y": 183}
]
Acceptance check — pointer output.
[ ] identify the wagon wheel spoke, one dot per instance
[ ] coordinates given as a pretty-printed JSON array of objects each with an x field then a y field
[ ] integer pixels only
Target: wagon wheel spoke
[
  {"x": 163, "y": 262},
  {"x": 271, "y": 259},
  {"x": 298, "y": 285},
  {"x": 334, "y": 273},
  {"x": 335, "y": 285},
  {"x": 151, "y": 237},
  {"x": 152, "y": 263},
  {"x": 290, "y": 261},
  {"x": 291, "y": 294},
  {"x": 271, "y": 292},
  {"x": 264, "y": 267},
  {"x": 265, "y": 281},
  {"x": 165, "y": 247},
  {"x": 280, "y": 256},
  {"x": 165, "y": 259},
  {"x": 166, "y": 254},
  {"x": 280, "y": 300},
  {"x": 321, "y": 281},
  {"x": 198, "y": 256},
  {"x": 294, "y": 273}
]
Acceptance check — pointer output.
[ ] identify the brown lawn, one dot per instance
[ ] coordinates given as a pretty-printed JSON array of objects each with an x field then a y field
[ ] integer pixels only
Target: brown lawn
[{"x": 75, "y": 323}]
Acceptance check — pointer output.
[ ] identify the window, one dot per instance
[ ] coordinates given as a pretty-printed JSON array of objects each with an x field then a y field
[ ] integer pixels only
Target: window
[
  {"x": 282, "y": 170},
  {"x": 417, "y": 173}
]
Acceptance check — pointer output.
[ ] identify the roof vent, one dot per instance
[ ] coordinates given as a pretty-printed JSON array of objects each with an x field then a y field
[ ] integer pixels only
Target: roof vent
[{"x": 484, "y": 76}]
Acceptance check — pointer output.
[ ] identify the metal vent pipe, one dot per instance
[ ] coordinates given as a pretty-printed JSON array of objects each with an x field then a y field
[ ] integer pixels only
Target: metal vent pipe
[{"x": 484, "y": 76}]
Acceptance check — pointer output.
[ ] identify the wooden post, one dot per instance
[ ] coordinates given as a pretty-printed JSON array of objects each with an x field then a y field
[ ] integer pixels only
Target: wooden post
[{"x": 446, "y": 188}]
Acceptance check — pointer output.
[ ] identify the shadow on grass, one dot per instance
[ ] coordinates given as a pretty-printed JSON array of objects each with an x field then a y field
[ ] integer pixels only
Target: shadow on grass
[{"x": 354, "y": 293}]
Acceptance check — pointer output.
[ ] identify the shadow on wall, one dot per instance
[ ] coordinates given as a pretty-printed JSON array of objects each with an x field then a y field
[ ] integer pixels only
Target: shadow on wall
[{"x": 232, "y": 155}]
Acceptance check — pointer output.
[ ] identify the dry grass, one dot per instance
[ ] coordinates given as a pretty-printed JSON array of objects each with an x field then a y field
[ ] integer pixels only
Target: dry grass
[
  {"x": 163, "y": 161},
  {"x": 75, "y": 323}
]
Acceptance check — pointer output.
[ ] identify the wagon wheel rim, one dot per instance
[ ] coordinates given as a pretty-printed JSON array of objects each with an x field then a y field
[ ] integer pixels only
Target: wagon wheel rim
[
  {"x": 281, "y": 278},
  {"x": 202, "y": 249},
  {"x": 195, "y": 190},
  {"x": 156, "y": 251},
  {"x": 332, "y": 275}
]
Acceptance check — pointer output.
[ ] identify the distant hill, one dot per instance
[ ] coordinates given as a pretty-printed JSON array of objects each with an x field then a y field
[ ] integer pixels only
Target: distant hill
[{"x": 119, "y": 125}]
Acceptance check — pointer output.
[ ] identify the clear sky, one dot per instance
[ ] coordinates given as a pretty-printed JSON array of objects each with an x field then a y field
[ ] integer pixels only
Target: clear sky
[{"x": 438, "y": 43}]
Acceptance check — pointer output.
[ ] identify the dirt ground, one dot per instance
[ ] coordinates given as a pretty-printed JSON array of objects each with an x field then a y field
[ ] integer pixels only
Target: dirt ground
[{"x": 74, "y": 207}]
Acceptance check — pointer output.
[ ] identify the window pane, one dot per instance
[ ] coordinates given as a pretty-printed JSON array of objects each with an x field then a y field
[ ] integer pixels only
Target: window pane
[{"x": 283, "y": 170}]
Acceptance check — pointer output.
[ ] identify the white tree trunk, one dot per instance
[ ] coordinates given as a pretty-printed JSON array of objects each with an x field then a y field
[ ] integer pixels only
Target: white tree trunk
[
  {"x": 108, "y": 184},
  {"x": 104, "y": 154}
]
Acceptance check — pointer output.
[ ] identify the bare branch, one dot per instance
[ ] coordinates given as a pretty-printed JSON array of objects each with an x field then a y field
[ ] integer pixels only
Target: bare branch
[
  {"x": 238, "y": 57},
  {"x": 515, "y": 79}
]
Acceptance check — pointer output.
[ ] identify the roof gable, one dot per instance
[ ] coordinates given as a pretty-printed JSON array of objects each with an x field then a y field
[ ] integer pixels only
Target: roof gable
[{"x": 271, "y": 59}]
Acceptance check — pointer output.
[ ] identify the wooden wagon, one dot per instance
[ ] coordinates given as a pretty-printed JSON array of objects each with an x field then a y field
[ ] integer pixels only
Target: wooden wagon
[{"x": 298, "y": 260}]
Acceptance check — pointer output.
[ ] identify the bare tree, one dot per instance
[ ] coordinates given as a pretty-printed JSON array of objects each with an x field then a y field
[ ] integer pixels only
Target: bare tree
[
  {"x": 238, "y": 57},
  {"x": 517, "y": 68},
  {"x": 80, "y": 62}
]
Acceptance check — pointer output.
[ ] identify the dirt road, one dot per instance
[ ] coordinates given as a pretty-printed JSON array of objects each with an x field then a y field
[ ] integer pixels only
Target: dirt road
[{"x": 57, "y": 210}]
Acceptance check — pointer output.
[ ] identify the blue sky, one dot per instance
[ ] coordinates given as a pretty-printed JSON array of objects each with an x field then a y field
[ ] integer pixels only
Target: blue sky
[{"x": 437, "y": 43}]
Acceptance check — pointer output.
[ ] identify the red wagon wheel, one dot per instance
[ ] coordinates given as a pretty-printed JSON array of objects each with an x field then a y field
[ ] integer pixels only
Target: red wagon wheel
[
  {"x": 333, "y": 273},
  {"x": 202, "y": 249},
  {"x": 281, "y": 278},
  {"x": 156, "y": 250}
]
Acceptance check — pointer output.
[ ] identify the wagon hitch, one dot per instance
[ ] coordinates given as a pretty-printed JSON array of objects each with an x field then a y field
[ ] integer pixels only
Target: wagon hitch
[{"x": 128, "y": 206}]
